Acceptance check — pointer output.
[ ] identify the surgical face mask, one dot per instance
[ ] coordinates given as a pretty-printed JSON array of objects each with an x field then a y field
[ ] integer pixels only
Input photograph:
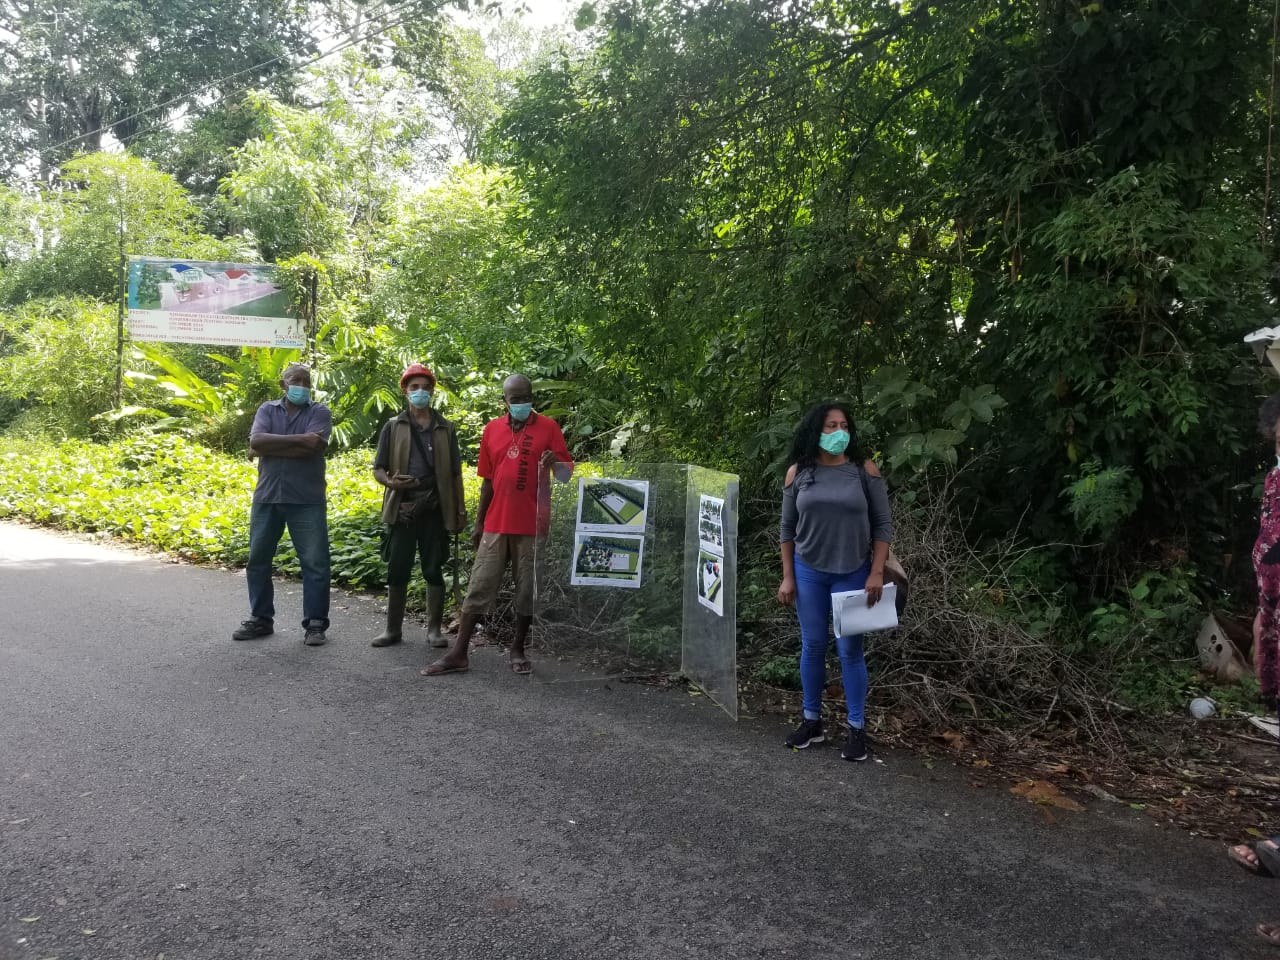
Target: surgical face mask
[
  {"x": 834, "y": 442},
  {"x": 298, "y": 396},
  {"x": 520, "y": 411},
  {"x": 420, "y": 398}
]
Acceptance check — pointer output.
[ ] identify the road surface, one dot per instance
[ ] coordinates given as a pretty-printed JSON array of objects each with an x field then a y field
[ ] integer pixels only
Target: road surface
[{"x": 165, "y": 791}]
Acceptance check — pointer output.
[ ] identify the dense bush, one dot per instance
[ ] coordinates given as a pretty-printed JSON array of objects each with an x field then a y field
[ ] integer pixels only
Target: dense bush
[
  {"x": 983, "y": 638},
  {"x": 57, "y": 365},
  {"x": 1023, "y": 241},
  {"x": 167, "y": 492}
]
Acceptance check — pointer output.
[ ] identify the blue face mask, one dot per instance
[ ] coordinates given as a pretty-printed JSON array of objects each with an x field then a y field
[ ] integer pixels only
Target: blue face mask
[
  {"x": 834, "y": 443},
  {"x": 420, "y": 398},
  {"x": 520, "y": 411},
  {"x": 298, "y": 396}
]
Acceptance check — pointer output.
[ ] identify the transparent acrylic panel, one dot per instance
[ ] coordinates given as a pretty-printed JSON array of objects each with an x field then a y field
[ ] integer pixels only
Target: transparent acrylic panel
[
  {"x": 610, "y": 567},
  {"x": 709, "y": 630}
]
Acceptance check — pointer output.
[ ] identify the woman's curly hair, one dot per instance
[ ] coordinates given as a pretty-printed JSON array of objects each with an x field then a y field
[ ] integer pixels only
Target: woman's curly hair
[
  {"x": 1268, "y": 414},
  {"x": 804, "y": 446}
]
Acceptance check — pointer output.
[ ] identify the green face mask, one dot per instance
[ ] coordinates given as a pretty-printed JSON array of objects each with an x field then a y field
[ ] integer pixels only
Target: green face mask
[{"x": 834, "y": 443}]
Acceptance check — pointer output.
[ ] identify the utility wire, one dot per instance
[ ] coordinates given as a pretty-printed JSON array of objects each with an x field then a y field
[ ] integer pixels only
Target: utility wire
[{"x": 347, "y": 44}]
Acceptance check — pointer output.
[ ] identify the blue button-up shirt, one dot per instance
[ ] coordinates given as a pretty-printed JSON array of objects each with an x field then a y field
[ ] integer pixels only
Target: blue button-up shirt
[{"x": 291, "y": 479}]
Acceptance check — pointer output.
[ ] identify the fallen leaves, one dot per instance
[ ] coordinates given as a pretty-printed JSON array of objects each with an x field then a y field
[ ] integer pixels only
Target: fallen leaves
[
  {"x": 1046, "y": 794},
  {"x": 953, "y": 739}
]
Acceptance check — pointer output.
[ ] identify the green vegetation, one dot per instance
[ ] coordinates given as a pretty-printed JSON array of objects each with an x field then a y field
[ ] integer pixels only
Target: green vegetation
[
  {"x": 1023, "y": 241},
  {"x": 170, "y": 493}
]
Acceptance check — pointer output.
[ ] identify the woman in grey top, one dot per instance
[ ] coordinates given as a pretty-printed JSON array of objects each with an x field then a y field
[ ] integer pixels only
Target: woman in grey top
[{"x": 835, "y": 531}]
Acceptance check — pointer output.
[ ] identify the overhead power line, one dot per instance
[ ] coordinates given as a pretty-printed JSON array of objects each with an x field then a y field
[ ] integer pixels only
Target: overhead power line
[{"x": 195, "y": 92}]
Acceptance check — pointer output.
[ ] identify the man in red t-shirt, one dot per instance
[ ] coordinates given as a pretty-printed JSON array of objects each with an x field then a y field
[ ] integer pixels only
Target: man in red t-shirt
[{"x": 516, "y": 453}]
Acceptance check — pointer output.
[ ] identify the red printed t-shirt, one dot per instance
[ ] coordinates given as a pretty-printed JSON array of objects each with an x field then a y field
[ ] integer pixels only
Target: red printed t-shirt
[{"x": 514, "y": 507}]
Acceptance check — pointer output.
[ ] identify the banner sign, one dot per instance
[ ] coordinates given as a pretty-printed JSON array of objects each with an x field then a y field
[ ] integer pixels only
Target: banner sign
[{"x": 228, "y": 304}]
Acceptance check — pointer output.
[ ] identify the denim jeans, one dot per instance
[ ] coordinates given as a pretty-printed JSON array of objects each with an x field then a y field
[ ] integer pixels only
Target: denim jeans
[
  {"x": 309, "y": 531},
  {"x": 813, "y": 605}
]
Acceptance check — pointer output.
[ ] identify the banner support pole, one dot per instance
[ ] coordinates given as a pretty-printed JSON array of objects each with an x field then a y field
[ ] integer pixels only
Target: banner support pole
[
  {"x": 313, "y": 284},
  {"x": 123, "y": 280}
]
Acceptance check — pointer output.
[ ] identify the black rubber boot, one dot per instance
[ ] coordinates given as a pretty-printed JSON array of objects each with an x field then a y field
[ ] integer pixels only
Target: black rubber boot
[
  {"x": 395, "y": 618},
  {"x": 435, "y": 613}
]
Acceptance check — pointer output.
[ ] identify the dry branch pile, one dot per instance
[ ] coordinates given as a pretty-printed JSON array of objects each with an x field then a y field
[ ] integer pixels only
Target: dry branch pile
[
  {"x": 964, "y": 653},
  {"x": 964, "y": 650}
]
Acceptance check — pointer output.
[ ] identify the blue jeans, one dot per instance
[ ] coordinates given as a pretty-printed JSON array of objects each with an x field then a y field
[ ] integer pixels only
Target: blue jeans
[
  {"x": 309, "y": 531},
  {"x": 813, "y": 604}
]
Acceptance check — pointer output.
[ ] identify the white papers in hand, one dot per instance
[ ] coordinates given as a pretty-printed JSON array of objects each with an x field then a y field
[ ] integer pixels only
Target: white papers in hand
[{"x": 853, "y": 616}]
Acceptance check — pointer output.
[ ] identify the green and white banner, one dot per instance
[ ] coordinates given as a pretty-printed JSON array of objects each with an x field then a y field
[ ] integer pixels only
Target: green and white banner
[{"x": 228, "y": 304}]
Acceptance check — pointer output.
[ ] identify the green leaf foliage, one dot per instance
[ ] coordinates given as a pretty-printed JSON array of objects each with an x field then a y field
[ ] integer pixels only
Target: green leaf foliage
[
  {"x": 104, "y": 207},
  {"x": 171, "y": 493},
  {"x": 1021, "y": 241}
]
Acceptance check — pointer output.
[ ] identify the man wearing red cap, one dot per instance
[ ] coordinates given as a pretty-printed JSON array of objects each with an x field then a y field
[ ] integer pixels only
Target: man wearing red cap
[
  {"x": 517, "y": 451},
  {"x": 418, "y": 465}
]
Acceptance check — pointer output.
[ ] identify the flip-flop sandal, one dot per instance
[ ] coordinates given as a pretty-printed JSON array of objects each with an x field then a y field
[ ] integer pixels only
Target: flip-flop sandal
[
  {"x": 1269, "y": 932},
  {"x": 438, "y": 669},
  {"x": 1253, "y": 866},
  {"x": 1268, "y": 855},
  {"x": 522, "y": 668}
]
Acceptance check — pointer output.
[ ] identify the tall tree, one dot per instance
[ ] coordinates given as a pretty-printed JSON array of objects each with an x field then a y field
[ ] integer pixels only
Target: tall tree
[
  {"x": 763, "y": 203},
  {"x": 470, "y": 73},
  {"x": 71, "y": 237},
  {"x": 1109, "y": 194},
  {"x": 74, "y": 71},
  {"x": 321, "y": 180}
]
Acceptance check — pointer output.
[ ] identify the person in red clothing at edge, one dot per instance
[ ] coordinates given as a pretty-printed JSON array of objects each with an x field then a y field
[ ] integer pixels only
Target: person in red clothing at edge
[{"x": 516, "y": 453}]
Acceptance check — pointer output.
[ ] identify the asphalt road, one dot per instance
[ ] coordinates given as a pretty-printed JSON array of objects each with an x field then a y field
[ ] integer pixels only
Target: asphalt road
[{"x": 166, "y": 792}]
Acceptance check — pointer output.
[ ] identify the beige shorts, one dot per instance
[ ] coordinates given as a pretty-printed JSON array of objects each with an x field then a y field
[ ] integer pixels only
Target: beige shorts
[{"x": 496, "y": 551}]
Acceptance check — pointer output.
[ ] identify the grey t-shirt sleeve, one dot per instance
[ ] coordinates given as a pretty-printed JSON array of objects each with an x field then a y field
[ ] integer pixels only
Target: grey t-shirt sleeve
[
  {"x": 787, "y": 529},
  {"x": 881, "y": 520}
]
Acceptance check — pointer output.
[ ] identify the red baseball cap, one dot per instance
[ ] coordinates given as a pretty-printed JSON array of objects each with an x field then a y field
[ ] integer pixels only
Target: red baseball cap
[{"x": 417, "y": 370}]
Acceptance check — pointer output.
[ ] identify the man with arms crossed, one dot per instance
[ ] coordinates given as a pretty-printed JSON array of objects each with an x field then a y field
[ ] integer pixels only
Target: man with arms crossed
[
  {"x": 289, "y": 437},
  {"x": 516, "y": 452}
]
